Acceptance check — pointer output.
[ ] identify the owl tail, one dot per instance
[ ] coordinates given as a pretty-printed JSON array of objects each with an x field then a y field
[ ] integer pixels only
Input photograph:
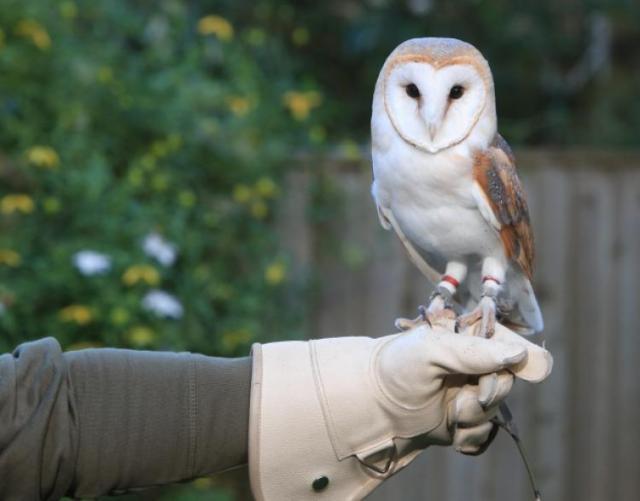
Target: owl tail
[{"x": 528, "y": 306}]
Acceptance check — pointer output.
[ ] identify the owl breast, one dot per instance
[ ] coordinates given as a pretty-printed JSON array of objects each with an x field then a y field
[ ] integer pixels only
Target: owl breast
[{"x": 431, "y": 198}]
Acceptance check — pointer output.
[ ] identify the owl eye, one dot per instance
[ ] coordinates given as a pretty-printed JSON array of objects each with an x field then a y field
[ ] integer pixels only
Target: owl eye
[
  {"x": 456, "y": 92},
  {"x": 412, "y": 91}
]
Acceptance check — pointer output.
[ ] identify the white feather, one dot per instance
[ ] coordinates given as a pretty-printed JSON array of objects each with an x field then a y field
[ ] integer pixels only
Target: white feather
[{"x": 423, "y": 159}]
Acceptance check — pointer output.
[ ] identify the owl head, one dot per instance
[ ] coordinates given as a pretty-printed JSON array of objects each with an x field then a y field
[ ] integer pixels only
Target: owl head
[{"x": 436, "y": 93}]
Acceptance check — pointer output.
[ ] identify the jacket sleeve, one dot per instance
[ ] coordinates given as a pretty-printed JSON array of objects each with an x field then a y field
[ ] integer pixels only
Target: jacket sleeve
[{"x": 106, "y": 421}]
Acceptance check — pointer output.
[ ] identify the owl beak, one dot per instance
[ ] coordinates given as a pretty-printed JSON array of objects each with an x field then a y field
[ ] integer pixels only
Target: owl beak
[
  {"x": 432, "y": 117},
  {"x": 433, "y": 130}
]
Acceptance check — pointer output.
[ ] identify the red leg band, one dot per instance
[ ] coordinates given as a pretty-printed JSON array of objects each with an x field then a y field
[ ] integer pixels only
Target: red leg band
[
  {"x": 451, "y": 280},
  {"x": 489, "y": 277}
]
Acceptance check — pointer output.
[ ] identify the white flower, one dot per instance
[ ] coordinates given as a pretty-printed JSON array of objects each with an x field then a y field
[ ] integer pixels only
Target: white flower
[
  {"x": 162, "y": 304},
  {"x": 158, "y": 248},
  {"x": 91, "y": 262}
]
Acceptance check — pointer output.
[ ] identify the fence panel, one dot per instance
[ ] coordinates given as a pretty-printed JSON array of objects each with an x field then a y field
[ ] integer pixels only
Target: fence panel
[{"x": 581, "y": 425}]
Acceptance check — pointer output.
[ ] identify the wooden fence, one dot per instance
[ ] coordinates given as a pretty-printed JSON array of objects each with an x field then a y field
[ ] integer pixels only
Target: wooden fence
[{"x": 582, "y": 425}]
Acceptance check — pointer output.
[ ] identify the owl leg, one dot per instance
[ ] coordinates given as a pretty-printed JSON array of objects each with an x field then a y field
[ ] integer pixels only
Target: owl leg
[
  {"x": 493, "y": 273},
  {"x": 440, "y": 307}
]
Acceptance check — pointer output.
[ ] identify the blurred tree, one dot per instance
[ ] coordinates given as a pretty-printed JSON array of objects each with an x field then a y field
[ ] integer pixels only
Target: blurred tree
[
  {"x": 564, "y": 70},
  {"x": 141, "y": 153}
]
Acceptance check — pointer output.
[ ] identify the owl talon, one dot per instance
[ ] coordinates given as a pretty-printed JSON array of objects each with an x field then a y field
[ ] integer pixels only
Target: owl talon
[
  {"x": 444, "y": 318},
  {"x": 485, "y": 312},
  {"x": 406, "y": 324},
  {"x": 439, "y": 312}
]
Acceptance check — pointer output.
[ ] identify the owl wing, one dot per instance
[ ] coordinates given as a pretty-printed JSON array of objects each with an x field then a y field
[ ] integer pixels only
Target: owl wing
[
  {"x": 502, "y": 201},
  {"x": 388, "y": 221}
]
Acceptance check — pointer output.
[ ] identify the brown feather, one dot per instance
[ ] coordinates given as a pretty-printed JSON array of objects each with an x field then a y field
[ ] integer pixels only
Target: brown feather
[{"x": 495, "y": 172}]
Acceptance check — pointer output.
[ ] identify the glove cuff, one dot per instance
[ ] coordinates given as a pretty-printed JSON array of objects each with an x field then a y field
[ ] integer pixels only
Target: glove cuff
[
  {"x": 290, "y": 453},
  {"x": 317, "y": 416}
]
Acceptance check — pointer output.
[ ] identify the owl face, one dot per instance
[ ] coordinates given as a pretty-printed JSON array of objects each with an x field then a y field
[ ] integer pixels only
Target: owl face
[
  {"x": 434, "y": 108},
  {"x": 436, "y": 93}
]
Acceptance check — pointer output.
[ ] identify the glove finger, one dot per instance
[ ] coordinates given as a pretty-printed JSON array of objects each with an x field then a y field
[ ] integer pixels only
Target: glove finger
[
  {"x": 466, "y": 410},
  {"x": 455, "y": 354},
  {"x": 487, "y": 388},
  {"x": 494, "y": 387},
  {"x": 538, "y": 363},
  {"x": 472, "y": 440}
]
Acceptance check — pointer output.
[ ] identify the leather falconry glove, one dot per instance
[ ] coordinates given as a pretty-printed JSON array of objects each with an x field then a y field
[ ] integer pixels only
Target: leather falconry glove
[{"x": 333, "y": 418}]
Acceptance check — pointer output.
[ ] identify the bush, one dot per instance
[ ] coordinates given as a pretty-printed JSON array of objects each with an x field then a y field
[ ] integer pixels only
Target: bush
[{"x": 125, "y": 128}]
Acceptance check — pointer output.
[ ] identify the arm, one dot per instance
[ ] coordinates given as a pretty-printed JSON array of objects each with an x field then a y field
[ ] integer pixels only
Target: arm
[
  {"x": 102, "y": 421},
  {"x": 325, "y": 415}
]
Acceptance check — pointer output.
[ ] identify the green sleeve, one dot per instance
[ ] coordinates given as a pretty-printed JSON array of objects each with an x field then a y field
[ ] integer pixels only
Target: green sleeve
[{"x": 101, "y": 421}]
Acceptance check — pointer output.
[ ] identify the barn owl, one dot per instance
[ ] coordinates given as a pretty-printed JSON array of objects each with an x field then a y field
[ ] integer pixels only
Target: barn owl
[{"x": 446, "y": 182}]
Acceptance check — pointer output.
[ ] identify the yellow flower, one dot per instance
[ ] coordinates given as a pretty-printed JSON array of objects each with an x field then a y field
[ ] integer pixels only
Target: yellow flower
[
  {"x": 33, "y": 30},
  {"x": 239, "y": 105},
  {"x": 223, "y": 291},
  {"x": 16, "y": 203},
  {"x": 160, "y": 149},
  {"x": 256, "y": 37},
  {"x": 10, "y": 258},
  {"x": 148, "y": 162},
  {"x": 83, "y": 345},
  {"x": 77, "y": 314},
  {"x": 140, "y": 336},
  {"x": 174, "y": 141},
  {"x": 233, "y": 339},
  {"x": 275, "y": 273},
  {"x": 350, "y": 149},
  {"x": 141, "y": 273},
  {"x": 119, "y": 316},
  {"x": 300, "y": 104},
  {"x": 317, "y": 134},
  {"x": 203, "y": 483},
  {"x": 105, "y": 74},
  {"x": 265, "y": 187},
  {"x": 160, "y": 182},
  {"x": 51, "y": 205},
  {"x": 136, "y": 177},
  {"x": 300, "y": 36},
  {"x": 217, "y": 26},
  {"x": 259, "y": 209},
  {"x": 187, "y": 198},
  {"x": 43, "y": 156},
  {"x": 242, "y": 193},
  {"x": 68, "y": 10}
]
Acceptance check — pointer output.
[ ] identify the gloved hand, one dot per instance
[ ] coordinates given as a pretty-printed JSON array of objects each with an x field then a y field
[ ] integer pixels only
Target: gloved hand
[{"x": 333, "y": 418}]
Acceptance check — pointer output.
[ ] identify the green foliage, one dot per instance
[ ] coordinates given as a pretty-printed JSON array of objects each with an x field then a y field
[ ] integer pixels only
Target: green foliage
[
  {"x": 118, "y": 119},
  {"x": 121, "y": 119},
  {"x": 566, "y": 71}
]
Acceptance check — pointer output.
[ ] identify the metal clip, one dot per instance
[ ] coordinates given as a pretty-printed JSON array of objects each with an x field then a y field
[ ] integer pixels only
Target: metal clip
[{"x": 366, "y": 460}]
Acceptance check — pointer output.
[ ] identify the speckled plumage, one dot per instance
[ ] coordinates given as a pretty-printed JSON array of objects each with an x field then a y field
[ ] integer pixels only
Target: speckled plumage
[{"x": 494, "y": 170}]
